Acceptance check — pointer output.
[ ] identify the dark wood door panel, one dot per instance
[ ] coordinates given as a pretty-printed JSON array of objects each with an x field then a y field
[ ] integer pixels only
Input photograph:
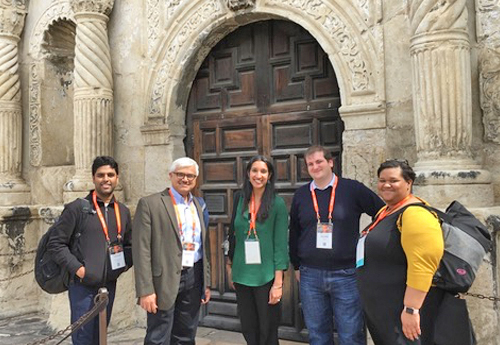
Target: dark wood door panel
[{"x": 267, "y": 88}]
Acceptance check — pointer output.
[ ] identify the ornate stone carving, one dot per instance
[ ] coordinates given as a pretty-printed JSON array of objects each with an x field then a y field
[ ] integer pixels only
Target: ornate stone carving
[
  {"x": 100, "y": 6},
  {"x": 35, "y": 136},
  {"x": 433, "y": 15},
  {"x": 10, "y": 86},
  {"x": 58, "y": 10},
  {"x": 236, "y": 5},
  {"x": 208, "y": 9},
  {"x": 442, "y": 95},
  {"x": 490, "y": 92},
  {"x": 92, "y": 57},
  {"x": 12, "y": 13}
]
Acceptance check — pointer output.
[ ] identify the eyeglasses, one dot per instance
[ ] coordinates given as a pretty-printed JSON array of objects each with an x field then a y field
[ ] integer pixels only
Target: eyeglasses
[{"x": 181, "y": 176}]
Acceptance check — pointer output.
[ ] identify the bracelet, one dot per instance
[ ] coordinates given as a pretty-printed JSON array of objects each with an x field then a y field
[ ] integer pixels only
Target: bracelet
[{"x": 277, "y": 287}]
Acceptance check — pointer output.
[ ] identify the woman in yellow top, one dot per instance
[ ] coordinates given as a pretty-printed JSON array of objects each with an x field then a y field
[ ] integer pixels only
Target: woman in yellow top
[{"x": 397, "y": 257}]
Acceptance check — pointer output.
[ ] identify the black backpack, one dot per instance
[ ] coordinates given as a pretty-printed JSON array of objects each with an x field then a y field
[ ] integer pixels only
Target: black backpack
[
  {"x": 466, "y": 242},
  {"x": 48, "y": 274}
]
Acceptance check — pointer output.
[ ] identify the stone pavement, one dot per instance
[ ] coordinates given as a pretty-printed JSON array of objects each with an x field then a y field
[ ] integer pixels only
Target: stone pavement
[{"x": 32, "y": 327}]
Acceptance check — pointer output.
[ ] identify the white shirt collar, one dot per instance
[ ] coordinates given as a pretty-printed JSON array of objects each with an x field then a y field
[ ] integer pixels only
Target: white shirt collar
[{"x": 313, "y": 185}]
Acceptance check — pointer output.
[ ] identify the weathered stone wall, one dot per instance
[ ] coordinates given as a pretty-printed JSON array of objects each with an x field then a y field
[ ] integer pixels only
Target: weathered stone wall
[{"x": 137, "y": 77}]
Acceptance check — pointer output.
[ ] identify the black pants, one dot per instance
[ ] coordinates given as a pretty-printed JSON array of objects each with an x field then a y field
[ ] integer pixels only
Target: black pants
[
  {"x": 177, "y": 326},
  {"x": 259, "y": 319}
]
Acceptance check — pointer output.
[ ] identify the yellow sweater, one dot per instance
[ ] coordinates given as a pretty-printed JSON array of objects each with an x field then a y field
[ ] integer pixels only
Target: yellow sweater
[{"x": 423, "y": 244}]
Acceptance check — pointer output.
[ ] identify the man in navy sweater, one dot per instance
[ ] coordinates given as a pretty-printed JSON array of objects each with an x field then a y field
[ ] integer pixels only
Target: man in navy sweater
[{"x": 324, "y": 229}]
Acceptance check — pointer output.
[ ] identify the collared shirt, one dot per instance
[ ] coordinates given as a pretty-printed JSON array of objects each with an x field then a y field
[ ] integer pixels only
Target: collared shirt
[
  {"x": 330, "y": 184},
  {"x": 186, "y": 215}
]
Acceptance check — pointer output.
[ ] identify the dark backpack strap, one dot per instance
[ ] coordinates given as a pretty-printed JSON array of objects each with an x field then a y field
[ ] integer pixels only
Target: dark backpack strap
[
  {"x": 231, "y": 236},
  {"x": 85, "y": 210},
  {"x": 440, "y": 215}
]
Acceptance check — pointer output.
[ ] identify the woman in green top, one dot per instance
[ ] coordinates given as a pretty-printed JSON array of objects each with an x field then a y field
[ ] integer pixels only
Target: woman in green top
[{"x": 258, "y": 253}]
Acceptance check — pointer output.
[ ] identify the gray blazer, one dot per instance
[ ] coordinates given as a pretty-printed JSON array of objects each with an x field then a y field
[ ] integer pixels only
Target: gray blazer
[{"x": 157, "y": 249}]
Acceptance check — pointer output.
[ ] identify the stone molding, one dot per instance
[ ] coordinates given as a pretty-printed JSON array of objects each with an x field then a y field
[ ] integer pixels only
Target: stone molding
[
  {"x": 12, "y": 14},
  {"x": 236, "y": 5},
  {"x": 350, "y": 44},
  {"x": 153, "y": 135},
  {"x": 35, "y": 109},
  {"x": 95, "y": 6}
]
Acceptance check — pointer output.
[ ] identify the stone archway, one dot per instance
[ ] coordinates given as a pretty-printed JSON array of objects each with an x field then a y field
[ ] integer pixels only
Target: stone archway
[{"x": 348, "y": 41}]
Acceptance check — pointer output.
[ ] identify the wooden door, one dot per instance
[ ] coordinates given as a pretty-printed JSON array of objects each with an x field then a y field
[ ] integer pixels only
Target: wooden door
[{"x": 267, "y": 88}]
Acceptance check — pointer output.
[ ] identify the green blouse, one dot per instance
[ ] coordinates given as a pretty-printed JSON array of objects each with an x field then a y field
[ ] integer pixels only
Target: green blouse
[{"x": 273, "y": 241}]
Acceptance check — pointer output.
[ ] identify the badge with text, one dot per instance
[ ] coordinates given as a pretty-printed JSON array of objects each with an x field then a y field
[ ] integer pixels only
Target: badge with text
[
  {"x": 252, "y": 252},
  {"x": 324, "y": 235},
  {"x": 360, "y": 252},
  {"x": 116, "y": 256},
  {"x": 188, "y": 250}
]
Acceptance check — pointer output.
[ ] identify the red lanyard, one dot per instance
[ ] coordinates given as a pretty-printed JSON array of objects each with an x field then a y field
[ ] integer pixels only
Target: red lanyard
[
  {"x": 103, "y": 221},
  {"x": 252, "y": 212},
  {"x": 330, "y": 206},
  {"x": 179, "y": 216},
  {"x": 385, "y": 212}
]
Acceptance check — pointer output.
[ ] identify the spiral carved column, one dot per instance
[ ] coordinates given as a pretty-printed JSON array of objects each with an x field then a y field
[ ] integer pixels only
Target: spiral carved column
[
  {"x": 13, "y": 189},
  {"x": 93, "y": 95},
  {"x": 440, "y": 56}
]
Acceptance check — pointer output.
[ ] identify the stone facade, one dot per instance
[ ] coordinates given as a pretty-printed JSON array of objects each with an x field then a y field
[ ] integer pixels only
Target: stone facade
[{"x": 418, "y": 79}]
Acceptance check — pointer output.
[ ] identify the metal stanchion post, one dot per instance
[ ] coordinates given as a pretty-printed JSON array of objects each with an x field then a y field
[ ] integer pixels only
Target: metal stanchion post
[{"x": 103, "y": 325}]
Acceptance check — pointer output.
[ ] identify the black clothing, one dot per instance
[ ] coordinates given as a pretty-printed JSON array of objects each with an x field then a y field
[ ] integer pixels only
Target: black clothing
[
  {"x": 178, "y": 324},
  {"x": 352, "y": 198},
  {"x": 91, "y": 247},
  {"x": 259, "y": 319},
  {"x": 382, "y": 286}
]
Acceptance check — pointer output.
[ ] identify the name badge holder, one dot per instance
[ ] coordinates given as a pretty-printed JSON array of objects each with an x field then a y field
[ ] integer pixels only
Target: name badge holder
[
  {"x": 115, "y": 249},
  {"x": 324, "y": 238},
  {"x": 360, "y": 251},
  {"x": 116, "y": 256},
  {"x": 188, "y": 251},
  {"x": 252, "y": 251},
  {"x": 252, "y": 245}
]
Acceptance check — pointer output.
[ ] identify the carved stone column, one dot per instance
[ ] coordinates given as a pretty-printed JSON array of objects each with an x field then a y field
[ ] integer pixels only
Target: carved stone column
[
  {"x": 440, "y": 53},
  {"x": 13, "y": 189},
  {"x": 93, "y": 93}
]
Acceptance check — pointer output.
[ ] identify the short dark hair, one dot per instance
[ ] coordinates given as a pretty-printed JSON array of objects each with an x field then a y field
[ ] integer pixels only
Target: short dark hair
[
  {"x": 406, "y": 170},
  {"x": 318, "y": 148},
  {"x": 268, "y": 197},
  {"x": 101, "y": 161}
]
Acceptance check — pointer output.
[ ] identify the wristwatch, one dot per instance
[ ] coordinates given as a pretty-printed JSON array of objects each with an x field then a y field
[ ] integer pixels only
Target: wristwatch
[{"x": 412, "y": 311}]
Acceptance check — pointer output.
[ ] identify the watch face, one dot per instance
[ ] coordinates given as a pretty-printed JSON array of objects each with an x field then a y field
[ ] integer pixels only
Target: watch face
[{"x": 410, "y": 310}]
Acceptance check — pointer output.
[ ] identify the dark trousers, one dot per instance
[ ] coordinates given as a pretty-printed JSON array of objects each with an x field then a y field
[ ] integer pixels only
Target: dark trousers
[
  {"x": 259, "y": 319},
  {"x": 177, "y": 326},
  {"x": 81, "y": 300}
]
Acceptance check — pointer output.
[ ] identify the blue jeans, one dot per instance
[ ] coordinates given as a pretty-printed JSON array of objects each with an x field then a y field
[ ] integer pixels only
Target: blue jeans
[
  {"x": 328, "y": 297},
  {"x": 81, "y": 300}
]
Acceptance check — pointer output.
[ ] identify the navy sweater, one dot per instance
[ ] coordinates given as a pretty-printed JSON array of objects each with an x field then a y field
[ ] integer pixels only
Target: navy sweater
[{"x": 352, "y": 198}]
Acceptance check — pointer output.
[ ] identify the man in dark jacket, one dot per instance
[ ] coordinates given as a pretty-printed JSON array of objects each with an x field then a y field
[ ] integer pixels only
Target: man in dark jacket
[{"x": 100, "y": 253}]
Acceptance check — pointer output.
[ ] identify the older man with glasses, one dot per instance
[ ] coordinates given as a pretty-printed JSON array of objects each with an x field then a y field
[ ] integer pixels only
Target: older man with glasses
[{"x": 171, "y": 253}]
